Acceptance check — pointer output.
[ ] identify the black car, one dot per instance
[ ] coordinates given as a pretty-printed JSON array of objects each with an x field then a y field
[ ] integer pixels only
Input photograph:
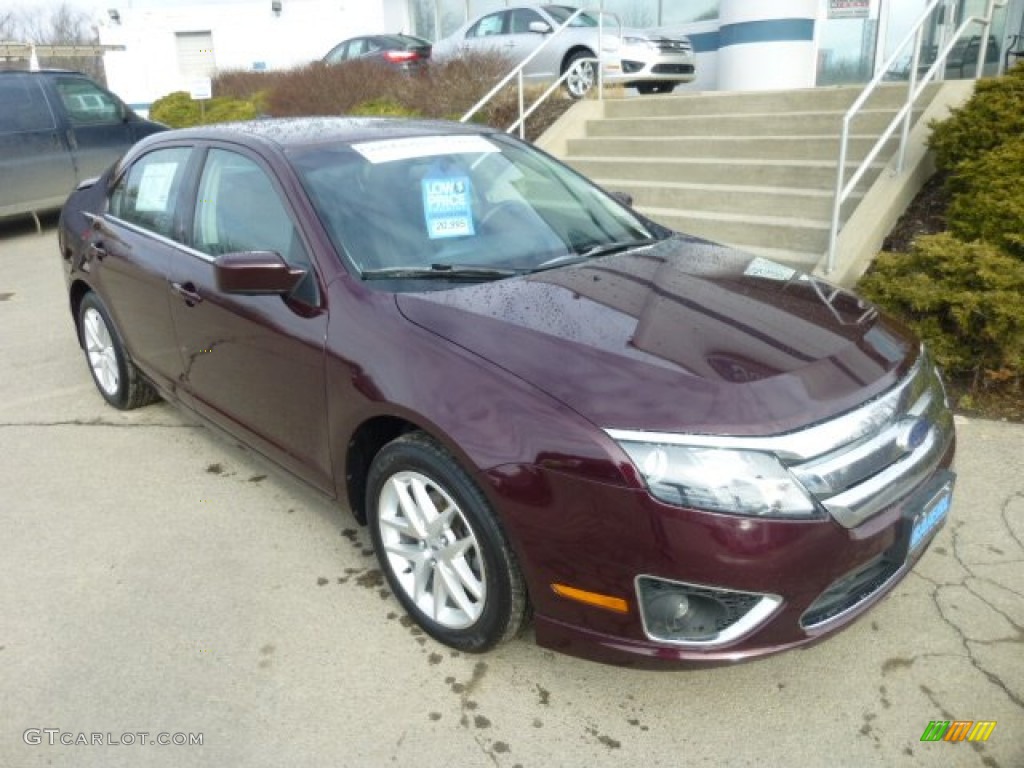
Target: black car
[
  {"x": 403, "y": 52},
  {"x": 57, "y": 129}
]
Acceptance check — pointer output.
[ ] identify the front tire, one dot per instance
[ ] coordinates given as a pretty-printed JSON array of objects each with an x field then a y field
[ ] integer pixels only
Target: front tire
[
  {"x": 582, "y": 74},
  {"x": 441, "y": 547},
  {"x": 115, "y": 375}
]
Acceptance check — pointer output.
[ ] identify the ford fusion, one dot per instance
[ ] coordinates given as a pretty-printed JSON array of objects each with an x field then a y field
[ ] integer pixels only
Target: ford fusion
[{"x": 540, "y": 402}]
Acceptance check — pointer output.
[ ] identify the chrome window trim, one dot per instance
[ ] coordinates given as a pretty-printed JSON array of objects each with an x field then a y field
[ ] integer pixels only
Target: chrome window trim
[{"x": 158, "y": 237}]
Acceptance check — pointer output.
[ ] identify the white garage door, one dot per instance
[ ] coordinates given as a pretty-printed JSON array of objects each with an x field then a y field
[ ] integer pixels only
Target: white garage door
[{"x": 195, "y": 55}]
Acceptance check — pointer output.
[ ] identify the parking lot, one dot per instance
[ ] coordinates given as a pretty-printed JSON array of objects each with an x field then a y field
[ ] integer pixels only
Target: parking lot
[{"x": 159, "y": 580}]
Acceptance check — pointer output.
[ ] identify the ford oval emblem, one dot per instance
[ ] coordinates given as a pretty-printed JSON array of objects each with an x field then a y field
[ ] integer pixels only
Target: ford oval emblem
[{"x": 913, "y": 432}]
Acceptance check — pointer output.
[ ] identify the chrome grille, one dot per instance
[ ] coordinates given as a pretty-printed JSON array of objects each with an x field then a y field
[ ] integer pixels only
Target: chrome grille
[
  {"x": 673, "y": 46},
  {"x": 912, "y": 430}
]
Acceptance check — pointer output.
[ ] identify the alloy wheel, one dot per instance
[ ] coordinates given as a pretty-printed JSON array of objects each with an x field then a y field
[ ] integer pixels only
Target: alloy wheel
[
  {"x": 432, "y": 550},
  {"x": 99, "y": 348}
]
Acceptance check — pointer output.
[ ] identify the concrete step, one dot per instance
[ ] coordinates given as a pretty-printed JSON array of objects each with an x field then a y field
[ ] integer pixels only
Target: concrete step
[
  {"x": 788, "y": 234},
  {"x": 809, "y": 174},
  {"x": 711, "y": 103},
  {"x": 792, "y": 202},
  {"x": 763, "y": 124},
  {"x": 824, "y": 147}
]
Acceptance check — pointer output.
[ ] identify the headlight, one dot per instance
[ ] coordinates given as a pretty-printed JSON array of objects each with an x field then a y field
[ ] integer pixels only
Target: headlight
[
  {"x": 721, "y": 480},
  {"x": 641, "y": 42}
]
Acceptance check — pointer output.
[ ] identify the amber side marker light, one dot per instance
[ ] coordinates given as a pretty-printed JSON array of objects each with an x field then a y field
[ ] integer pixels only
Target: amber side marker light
[{"x": 616, "y": 604}]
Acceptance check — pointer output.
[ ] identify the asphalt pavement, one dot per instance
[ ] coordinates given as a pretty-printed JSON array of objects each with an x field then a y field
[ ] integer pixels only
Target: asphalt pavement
[{"x": 158, "y": 580}]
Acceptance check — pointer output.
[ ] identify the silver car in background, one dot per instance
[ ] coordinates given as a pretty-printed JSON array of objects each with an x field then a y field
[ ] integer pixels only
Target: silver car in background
[{"x": 646, "y": 60}]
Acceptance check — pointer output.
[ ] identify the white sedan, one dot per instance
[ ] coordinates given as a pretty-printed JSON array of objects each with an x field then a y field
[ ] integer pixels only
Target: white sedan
[{"x": 646, "y": 60}]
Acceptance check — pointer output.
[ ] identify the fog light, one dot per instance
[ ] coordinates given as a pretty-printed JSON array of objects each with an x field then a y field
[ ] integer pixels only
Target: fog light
[
  {"x": 667, "y": 610},
  {"x": 688, "y": 614}
]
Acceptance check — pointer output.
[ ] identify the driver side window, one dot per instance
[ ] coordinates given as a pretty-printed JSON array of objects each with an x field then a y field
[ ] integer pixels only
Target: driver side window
[{"x": 239, "y": 209}]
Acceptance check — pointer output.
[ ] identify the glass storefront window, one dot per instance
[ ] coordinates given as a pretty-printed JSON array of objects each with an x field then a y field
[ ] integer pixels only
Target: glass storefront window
[
  {"x": 452, "y": 15},
  {"x": 434, "y": 19},
  {"x": 633, "y": 13},
  {"x": 480, "y": 7},
  {"x": 423, "y": 15},
  {"x": 688, "y": 11}
]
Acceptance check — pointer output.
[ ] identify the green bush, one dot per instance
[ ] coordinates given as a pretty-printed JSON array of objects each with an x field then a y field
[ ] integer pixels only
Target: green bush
[
  {"x": 179, "y": 110},
  {"x": 994, "y": 114},
  {"x": 966, "y": 300},
  {"x": 988, "y": 198}
]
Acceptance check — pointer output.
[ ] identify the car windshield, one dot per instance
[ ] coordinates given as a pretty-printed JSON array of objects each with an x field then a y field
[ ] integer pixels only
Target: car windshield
[
  {"x": 561, "y": 14},
  {"x": 459, "y": 204}
]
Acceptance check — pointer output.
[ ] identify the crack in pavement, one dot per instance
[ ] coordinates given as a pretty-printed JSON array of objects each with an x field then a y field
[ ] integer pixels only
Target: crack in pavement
[
  {"x": 970, "y": 644},
  {"x": 91, "y": 423}
]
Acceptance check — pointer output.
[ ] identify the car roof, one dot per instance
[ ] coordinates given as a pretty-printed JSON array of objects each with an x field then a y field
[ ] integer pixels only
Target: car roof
[{"x": 295, "y": 132}]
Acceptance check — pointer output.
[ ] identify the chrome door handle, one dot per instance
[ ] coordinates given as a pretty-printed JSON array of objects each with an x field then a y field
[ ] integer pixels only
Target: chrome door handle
[{"x": 187, "y": 292}]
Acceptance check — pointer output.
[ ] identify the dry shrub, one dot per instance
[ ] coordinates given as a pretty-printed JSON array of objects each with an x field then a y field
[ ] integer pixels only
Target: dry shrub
[
  {"x": 445, "y": 90},
  {"x": 323, "y": 89},
  {"x": 243, "y": 84},
  {"x": 450, "y": 88}
]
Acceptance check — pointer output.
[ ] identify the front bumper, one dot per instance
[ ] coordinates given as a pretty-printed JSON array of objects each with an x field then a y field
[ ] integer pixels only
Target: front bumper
[
  {"x": 636, "y": 66},
  {"x": 601, "y": 538}
]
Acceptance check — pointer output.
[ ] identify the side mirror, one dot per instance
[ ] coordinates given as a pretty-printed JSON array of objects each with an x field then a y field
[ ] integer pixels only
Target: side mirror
[
  {"x": 540, "y": 27},
  {"x": 255, "y": 273},
  {"x": 623, "y": 197}
]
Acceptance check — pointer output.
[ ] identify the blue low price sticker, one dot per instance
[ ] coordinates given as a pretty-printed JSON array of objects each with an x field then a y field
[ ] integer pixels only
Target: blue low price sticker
[{"x": 448, "y": 207}]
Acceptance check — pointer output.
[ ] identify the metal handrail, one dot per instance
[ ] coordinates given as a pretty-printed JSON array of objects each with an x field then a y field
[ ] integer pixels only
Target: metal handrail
[
  {"x": 905, "y": 114},
  {"x": 517, "y": 72}
]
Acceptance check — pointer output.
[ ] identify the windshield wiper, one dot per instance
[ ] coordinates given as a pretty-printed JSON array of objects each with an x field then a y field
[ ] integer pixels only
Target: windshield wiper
[
  {"x": 441, "y": 272},
  {"x": 595, "y": 251}
]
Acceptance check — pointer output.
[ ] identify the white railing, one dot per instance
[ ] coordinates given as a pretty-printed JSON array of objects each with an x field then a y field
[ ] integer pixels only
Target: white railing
[
  {"x": 904, "y": 116},
  {"x": 517, "y": 73}
]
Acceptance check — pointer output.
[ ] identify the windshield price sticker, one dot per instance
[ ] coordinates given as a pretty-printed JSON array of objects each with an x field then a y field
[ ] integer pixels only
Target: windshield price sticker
[
  {"x": 448, "y": 207},
  {"x": 422, "y": 146}
]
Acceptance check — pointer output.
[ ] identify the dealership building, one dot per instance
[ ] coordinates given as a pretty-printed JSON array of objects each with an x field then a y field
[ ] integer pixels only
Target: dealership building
[{"x": 741, "y": 44}]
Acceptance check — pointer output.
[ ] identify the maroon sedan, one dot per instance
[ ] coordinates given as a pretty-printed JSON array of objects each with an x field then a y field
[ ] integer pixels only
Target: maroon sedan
[{"x": 537, "y": 399}]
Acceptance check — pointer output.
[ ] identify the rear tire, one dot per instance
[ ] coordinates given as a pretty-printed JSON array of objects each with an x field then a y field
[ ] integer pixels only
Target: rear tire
[
  {"x": 441, "y": 547},
  {"x": 115, "y": 375}
]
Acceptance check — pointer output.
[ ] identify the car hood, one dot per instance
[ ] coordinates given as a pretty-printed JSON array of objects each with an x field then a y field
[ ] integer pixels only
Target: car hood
[{"x": 683, "y": 336}]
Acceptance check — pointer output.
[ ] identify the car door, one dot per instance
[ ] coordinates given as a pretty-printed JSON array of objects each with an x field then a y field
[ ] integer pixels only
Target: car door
[
  {"x": 522, "y": 43},
  {"x": 99, "y": 128},
  {"x": 488, "y": 35},
  {"x": 36, "y": 170},
  {"x": 130, "y": 248},
  {"x": 253, "y": 364}
]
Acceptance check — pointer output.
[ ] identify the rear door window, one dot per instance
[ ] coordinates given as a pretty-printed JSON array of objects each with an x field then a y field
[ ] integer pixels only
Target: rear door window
[
  {"x": 86, "y": 103},
  {"x": 23, "y": 107},
  {"x": 488, "y": 26},
  {"x": 147, "y": 194}
]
